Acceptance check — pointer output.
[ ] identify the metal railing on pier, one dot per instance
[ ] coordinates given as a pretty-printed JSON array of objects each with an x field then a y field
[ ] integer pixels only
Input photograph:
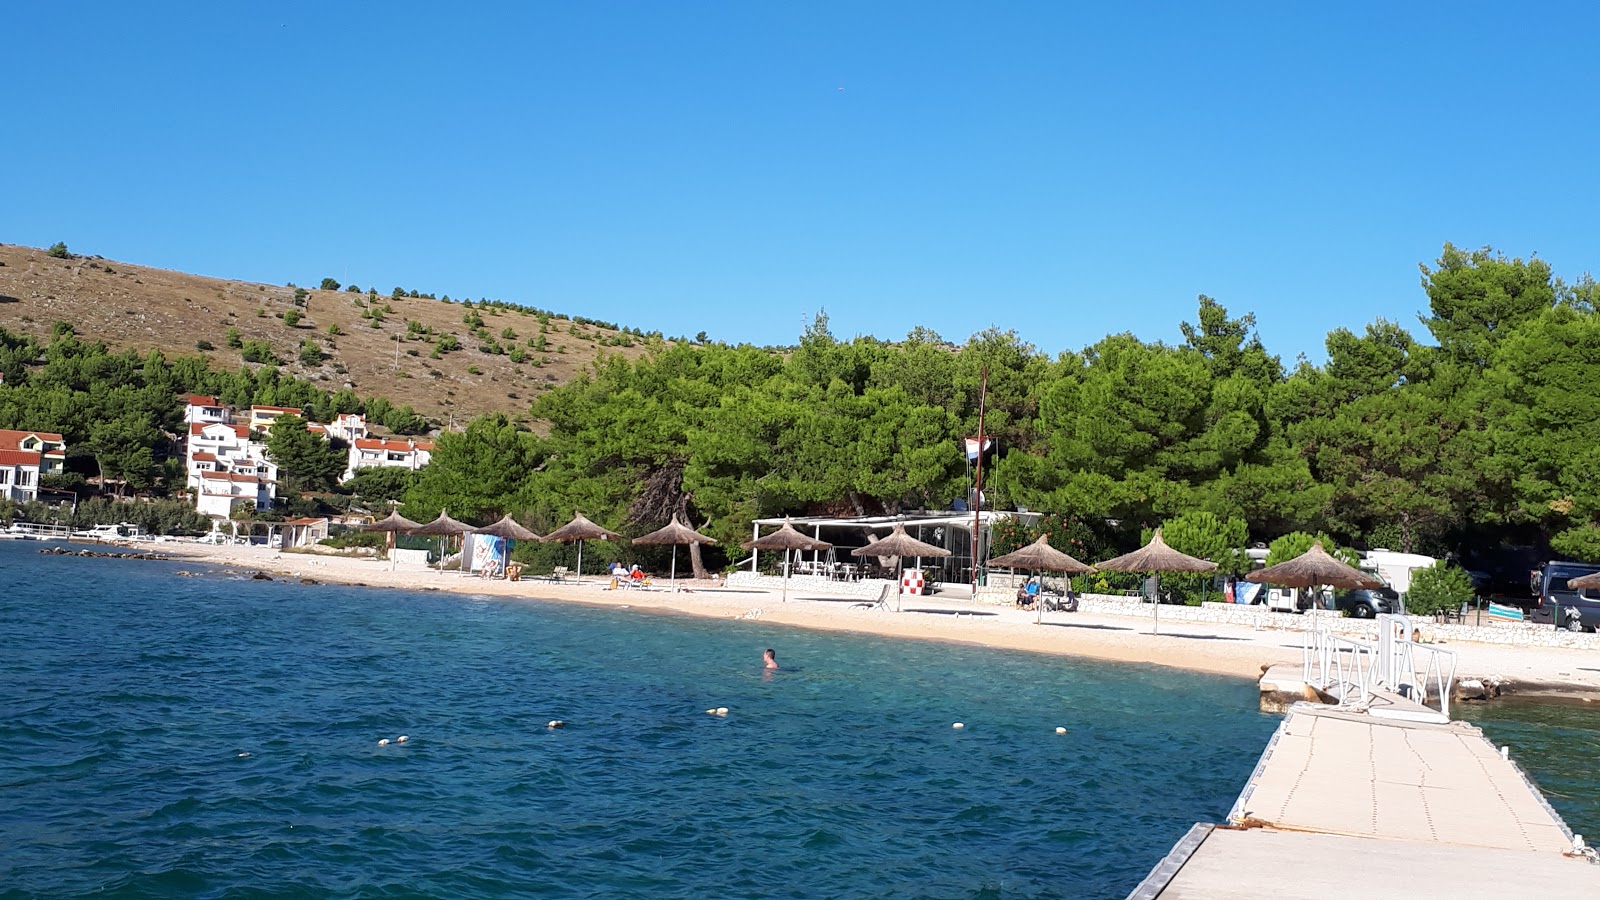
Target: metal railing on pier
[{"x": 1351, "y": 670}]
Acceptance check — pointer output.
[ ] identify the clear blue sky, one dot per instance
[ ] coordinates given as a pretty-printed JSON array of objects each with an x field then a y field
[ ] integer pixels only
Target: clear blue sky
[{"x": 1065, "y": 170}]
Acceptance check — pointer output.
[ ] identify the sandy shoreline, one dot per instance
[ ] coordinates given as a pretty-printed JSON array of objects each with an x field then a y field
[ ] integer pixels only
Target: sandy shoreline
[{"x": 1215, "y": 649}]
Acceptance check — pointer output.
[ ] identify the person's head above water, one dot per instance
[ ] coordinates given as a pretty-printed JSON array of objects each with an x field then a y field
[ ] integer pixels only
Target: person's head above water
[{"x": 770, "y": 657}]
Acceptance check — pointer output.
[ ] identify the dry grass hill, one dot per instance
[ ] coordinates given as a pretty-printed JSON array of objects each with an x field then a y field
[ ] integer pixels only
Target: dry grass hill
[{"x": 131, "y": 306}]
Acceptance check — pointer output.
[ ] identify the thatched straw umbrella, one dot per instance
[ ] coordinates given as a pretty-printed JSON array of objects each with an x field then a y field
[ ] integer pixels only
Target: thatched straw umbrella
[
  {"x": 509, "y": 529},
  {"x": 1583, "y": 582},
  {"x": 786, "y": 539},
  {"x": 1312, "y": 569},
  {"x": 1156, "y": 557},
  {"x": 393, "y": 523},
  {"x": 899, "y": 545},
  {"x": 442, "y": 527},
  {"x": 676, "y": 534},
  {"x": 1040, "y": 555},
  {"x": 581, "y": 529}
]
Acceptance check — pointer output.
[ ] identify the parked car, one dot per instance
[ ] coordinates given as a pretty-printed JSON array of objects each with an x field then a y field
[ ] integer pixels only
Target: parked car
[
  {"x": 1549, "y": 584},
  {"x": 1364, "y": 603}
]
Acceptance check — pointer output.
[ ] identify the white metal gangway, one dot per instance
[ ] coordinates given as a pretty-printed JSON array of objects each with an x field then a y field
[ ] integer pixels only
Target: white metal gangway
[{"x": 1371, "y": 675}]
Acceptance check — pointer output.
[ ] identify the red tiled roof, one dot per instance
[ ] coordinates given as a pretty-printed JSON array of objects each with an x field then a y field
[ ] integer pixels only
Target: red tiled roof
[
  {"x": 12, "y": 440},
  {"x": 238, "y": 430},
  {"x": 277, "y": 409},
  {"x": 202, "y": 456},
  {"x": 19, "y": 458},
  {"x": 202, "y": 400},
  {"x": 396, "y": 446}
]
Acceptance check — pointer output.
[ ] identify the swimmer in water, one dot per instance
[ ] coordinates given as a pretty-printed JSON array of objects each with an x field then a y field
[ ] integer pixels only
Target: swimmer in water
[{"x": 769, "y": 659}]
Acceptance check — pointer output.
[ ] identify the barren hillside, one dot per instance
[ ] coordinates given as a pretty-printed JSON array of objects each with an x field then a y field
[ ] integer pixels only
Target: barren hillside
[{"x": 131, "y": 306}]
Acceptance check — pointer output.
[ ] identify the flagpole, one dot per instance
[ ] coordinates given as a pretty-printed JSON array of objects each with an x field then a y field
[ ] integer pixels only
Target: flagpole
[{"x": 977, "y": 493}]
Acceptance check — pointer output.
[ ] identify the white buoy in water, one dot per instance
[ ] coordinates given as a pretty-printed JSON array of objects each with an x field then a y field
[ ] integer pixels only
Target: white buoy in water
[
  {"x": 1060, "y": 730},
  {"x": 383, "y": 742},
  {"x": 243, "y": 755},
  {"x": 722, "y": 710},
  {"x": 959, "y": 725},
  {"x": 711, "y": 712},
  {"x": 555, "y": 723},
  {"x": 402, "y": 739}
]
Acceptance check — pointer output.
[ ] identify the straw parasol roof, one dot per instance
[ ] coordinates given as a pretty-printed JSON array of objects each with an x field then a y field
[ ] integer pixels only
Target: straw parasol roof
[
  {"x": 391, "y": 523},
  {"x": 442, "y": 526},
  {"x": 1585, "y": 582},
  {"x": 898, "y": 543},
  {"x": 675, "y": 534},
  {"x": 1156, "y": 556},
  {"x": 1040, "y": 555},
  {"x": 509, "y": 529},
  {"x": 1312, "y": 568},
  {"x": 581, "y": 529},
  {"x": 786, "y": 538}
]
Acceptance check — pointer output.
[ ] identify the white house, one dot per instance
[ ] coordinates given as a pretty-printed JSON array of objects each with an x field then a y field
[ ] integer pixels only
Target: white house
[
  {"x": 262, "y": 417},
  {"x": 347, "y": 427},
  {"x": 200, "y": 409},
  {"x": 26, "y": 456},
  {"x": 225, "y": 466},
  {"x": 391, "y": 453}
]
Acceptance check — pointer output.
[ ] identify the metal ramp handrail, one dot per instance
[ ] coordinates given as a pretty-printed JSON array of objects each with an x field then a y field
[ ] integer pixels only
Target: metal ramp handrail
[
  {"x": 1352, "y": 669},
  {"x": 1338, "y": 664}
]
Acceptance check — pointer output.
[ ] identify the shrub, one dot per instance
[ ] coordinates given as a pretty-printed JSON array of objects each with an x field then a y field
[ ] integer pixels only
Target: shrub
[
  {"x": 1443, "y": 586},
  {"x": 352, "y": 289},
  {"x": 291, "y": 318},
  {"x": 203, "y": 345},
  {"x": 333, "y": 330},
  {"x": 232, "y": 340},
  {"x": 58, "y": 250},
  {"x": 328, "y": 284},
  {"x": 310, "y": 353},
  {"x": 259, "y": 352},
  {"x": 474, "y": 370}
]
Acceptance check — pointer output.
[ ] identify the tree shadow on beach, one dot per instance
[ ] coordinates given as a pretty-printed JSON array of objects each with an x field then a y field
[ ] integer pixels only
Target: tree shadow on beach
[
  {"x": 1204, "y": 637},
  {"x": 952, "y": 612},
  {"x": 1087, "y": 625}
]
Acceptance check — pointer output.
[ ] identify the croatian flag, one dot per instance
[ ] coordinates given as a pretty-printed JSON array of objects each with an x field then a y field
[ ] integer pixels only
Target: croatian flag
[{"x": 972, "y": 447}]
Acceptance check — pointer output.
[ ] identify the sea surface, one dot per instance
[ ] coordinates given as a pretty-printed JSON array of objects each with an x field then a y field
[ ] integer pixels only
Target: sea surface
[
  {"x": 215, "y": 736},
  {"x": 1558, "y": 744}
]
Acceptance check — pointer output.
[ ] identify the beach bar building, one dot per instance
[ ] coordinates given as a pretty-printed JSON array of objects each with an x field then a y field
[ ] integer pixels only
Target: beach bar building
[{"x": 950, "y": 529}]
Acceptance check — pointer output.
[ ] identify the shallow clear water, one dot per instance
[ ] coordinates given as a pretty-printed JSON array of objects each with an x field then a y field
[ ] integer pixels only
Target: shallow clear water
[
  {"x": 1556, "y": 743},
  {"x": 128, "y": 696}
]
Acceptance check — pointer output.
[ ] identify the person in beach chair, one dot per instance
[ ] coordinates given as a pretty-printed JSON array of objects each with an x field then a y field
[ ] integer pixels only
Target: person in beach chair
[
  {"x": 1028, "y": 593},
  {"x": 637, "y": 578}
]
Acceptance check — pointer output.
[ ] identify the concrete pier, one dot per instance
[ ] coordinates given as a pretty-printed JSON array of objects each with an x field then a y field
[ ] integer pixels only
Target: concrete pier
[{"x": 1380, "y": 807}]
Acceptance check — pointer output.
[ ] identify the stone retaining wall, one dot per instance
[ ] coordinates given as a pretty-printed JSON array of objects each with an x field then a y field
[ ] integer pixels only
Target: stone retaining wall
[{"x": 866, "y": 588}]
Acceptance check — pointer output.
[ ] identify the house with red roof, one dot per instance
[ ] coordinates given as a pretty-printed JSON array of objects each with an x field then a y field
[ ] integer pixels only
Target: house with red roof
[
  {"x": 200, "y": 409},
  {"x": 25, "y": 457},
  {"x": 262, "y": 417},
  {"x": 390, "y": 452},
  {"x": 226, "y": 466}
]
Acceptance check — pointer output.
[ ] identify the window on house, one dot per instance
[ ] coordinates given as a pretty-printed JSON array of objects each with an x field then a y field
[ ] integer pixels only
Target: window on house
[{"x": 24, "y": 478}]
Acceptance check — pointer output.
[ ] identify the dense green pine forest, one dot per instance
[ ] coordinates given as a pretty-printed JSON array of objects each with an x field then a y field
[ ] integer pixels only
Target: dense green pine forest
[{"x": 1479, "y": 427}]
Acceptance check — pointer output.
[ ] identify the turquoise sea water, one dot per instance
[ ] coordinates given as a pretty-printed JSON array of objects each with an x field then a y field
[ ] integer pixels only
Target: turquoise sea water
[
  {"x": 1556, "y": 743},
  {"x": 130, "y": 696}
]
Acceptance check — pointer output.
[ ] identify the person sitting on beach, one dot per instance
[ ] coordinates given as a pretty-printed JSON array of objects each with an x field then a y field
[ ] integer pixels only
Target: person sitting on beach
[
  {"x": 769, "y": 659},
  {"x": 636, "y": 575}
]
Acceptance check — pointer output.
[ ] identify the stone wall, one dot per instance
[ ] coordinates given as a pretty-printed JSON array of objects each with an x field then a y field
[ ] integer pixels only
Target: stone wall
[{"x": 866, "y": 588}]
